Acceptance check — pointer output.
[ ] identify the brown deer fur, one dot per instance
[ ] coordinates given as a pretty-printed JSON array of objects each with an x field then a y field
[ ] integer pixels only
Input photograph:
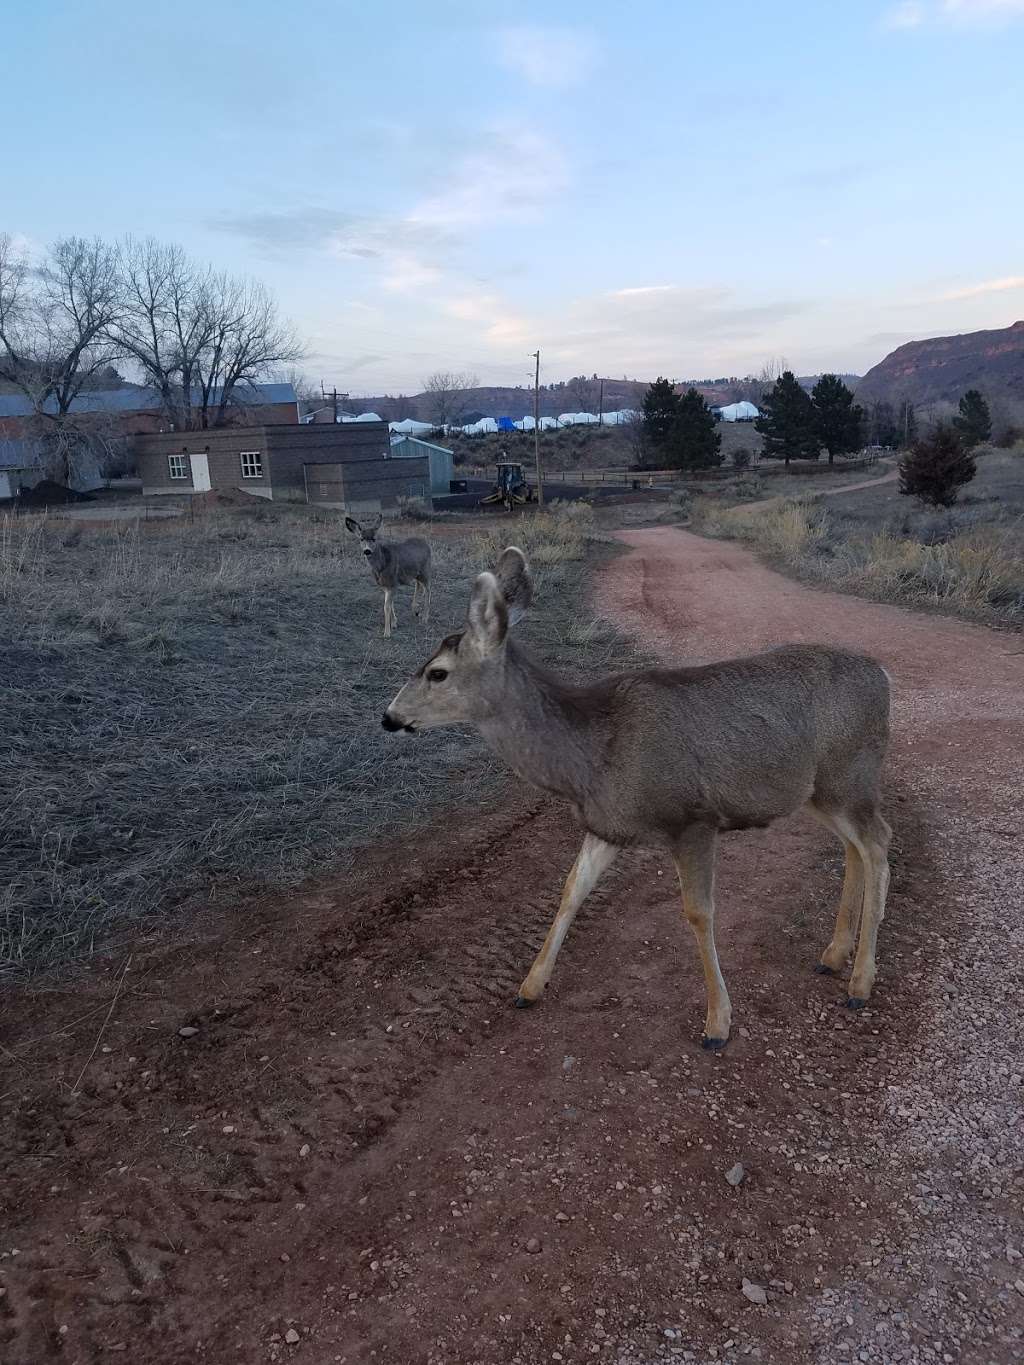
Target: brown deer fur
[{"x": 668, "y": 757}]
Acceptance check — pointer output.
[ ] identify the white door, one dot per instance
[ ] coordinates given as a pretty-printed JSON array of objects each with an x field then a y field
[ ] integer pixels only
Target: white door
[{"x": 200, "y": 473}]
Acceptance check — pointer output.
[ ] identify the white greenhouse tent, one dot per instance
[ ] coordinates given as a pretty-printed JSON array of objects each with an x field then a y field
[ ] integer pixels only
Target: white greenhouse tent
[
  {"x": 485, "y": 424},
  {"x": 739, "y": 412},
  {"x": 361, "y": 417},
  {"x": 578, "y": 419},
  {"x": 410, "y": 427},
  {"x": 546, "y": 423}
]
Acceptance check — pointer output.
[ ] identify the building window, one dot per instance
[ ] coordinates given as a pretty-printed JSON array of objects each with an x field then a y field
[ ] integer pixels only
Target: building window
[
  {"x": 252, "y": 464},
  {"x": 177, "y": 466}
]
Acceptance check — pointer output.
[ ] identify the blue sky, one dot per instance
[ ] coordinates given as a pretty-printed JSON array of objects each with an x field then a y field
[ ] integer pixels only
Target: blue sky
[{"x": 677, "y": 188}]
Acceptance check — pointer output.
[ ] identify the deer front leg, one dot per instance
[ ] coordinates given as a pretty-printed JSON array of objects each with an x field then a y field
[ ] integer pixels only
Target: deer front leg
[
  {"x": 593, "y": 860},
  {"x": 388, "y": 613},
  {"x": 695, "y": 863}
]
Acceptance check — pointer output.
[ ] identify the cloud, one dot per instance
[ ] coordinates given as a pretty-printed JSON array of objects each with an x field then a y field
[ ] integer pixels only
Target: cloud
[
  {"x": 982, "y": 11},
  {"x": 553, "y": 57},
  {"x": 345, "y": 234},
  {"x": 911, "y": 14},
  {"x": 642, "y": 289},
  {"x": 512, "y": 175},
  {"x": 973, "y": 291}
]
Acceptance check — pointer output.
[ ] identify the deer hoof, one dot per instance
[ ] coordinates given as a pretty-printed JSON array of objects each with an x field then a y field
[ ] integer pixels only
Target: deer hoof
[
  {"x": 713, "y": 1044},
  {"x": 823, "y": 969},
  {"x": 522, "y": 1003},
  {"x": 854, "y": 1002}
]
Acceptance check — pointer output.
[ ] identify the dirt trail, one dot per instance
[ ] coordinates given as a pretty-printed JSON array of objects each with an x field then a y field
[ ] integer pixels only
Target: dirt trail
[{"x": 362, "y": 1153}]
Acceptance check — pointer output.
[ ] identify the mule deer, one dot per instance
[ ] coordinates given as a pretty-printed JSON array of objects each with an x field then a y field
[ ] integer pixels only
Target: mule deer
[
  {"x": 668, "y": 757},
  {"x": 394, "y": 564}
]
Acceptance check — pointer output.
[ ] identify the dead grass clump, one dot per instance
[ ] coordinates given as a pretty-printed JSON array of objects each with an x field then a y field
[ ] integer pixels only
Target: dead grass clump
[{"x": 958, "y": 562}]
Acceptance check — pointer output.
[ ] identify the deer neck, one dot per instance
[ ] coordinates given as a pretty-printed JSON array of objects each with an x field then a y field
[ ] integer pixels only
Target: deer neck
[{"x": 537, "y": 726}]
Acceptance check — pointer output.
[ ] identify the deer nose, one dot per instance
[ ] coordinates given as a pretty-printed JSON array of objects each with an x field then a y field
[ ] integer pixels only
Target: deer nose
[{"x": 389, "y": 722}]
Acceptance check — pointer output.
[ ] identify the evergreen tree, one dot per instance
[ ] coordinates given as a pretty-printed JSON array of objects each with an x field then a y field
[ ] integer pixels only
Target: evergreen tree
[
  {"x": 787, "y": 421},
  {"x": 937, "y": 467},
  {"x": 975, "y": 421},
  {"x": 660, "y": 411},
  {"x": 695, "y": 441},
  {"x": 839, "y": 422}
]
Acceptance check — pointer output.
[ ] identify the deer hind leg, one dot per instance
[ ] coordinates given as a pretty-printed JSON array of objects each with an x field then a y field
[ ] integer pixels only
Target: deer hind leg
[
  {"x": 873, "y": 845},
  {"x": 694, "y": 858},
  {"x": 425, "y": 585},
  {"x": 844, "y": 936},
  {"x": 866, "y": 839},
  {"x": 593, "y": 860},
  {"x": 415, "y": 590}
]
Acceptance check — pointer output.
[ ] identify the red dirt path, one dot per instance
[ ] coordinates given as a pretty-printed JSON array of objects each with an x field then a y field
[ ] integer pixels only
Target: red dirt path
[{"x": 364, "y": 1154}]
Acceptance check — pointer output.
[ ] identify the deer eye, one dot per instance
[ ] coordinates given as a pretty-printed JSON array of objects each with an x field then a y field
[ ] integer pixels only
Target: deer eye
[{"x": 436, "y": 674}]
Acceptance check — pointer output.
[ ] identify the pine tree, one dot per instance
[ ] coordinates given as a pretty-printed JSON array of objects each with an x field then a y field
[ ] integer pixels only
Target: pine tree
[
  {"x": 975, "y": 421},
  {"x": 839, "y": 422},
  {"x": 787, "y": 421},
  {"x": 695, "y": 441},
  {"x": 660, "y": 411},
  {"x": 937, "y": 467}
]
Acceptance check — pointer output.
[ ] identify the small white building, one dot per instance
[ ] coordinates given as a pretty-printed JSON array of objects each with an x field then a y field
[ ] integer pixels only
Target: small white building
[{"x": 441, "y": 461}]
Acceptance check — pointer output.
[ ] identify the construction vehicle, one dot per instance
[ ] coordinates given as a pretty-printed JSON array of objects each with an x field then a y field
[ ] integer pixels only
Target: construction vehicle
[{"x": 510, "y": 487}]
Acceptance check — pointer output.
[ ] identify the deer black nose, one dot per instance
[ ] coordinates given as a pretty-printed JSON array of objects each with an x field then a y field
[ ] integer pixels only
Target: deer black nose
[
  {"x": 389, "y": 722},
  {"x": 367, "y": 553}
]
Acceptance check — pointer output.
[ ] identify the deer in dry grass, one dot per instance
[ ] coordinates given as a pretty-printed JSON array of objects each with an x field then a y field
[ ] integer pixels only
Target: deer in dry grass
[
  {"x": 668, "y": 757},
  {"x": 393, "y": 564}
]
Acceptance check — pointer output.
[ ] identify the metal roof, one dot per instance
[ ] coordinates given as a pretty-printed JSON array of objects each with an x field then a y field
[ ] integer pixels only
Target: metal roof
[{"x": 142, "y": 400}]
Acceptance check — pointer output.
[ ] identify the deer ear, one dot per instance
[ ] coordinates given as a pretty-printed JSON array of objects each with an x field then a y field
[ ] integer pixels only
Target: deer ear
[
  {"x": 352, "y": 525},
  {"x": 377, "y": 524},
  {"x": 515, "y": 582},
  {"x": 487, "y": 619}
]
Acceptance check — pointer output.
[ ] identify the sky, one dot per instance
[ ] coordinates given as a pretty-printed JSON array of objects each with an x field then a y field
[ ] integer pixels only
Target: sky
[{"x": 674, "y": 188}]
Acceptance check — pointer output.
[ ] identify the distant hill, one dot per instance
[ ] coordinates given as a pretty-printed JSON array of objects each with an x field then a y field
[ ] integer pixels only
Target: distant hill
[
  {"x": 935, "y": 373},
  {"x": 572, "y": 395}
]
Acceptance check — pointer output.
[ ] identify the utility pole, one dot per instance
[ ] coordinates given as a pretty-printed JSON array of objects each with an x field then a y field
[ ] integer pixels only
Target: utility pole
[
  {"x": 536, "y": 429},
  {"x": 334, "y": 400},
  {"x": 600, "y": 407}
]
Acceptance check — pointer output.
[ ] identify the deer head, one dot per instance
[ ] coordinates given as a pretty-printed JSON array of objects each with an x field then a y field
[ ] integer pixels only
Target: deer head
[{"x": 462, "y": 682}]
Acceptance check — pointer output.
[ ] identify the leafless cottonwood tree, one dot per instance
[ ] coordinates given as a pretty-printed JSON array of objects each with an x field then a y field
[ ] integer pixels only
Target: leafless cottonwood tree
[
  {"x": 202, "y": 338},
  {"x": 583, "y": 392},
  {"x": 56, "y": 317},
  {"x": 445, "y": 391},
  {"x": 754, "y": 386}
]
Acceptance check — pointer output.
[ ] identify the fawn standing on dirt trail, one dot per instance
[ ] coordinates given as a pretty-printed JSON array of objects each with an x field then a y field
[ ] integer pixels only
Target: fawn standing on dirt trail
[
  {"x": 395, "y": 564},
  {"x": 667, "y": 757}
]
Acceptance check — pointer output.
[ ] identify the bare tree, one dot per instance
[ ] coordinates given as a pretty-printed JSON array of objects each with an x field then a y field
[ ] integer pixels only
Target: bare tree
[
  {"x": 247, "y": 341},
  {"x": 445, "y": 391},
  {"x": 583, "y": 393},
  {"x": 55, "y": 321},
  {"x": 753, "y": 387},
  {"x": 202, "y": 339}
]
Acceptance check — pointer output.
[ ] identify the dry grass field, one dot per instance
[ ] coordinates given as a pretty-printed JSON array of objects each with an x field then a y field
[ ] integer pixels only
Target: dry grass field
[
  {"x": 192, "y": 709},
  {"x": 968, "y": 560}
]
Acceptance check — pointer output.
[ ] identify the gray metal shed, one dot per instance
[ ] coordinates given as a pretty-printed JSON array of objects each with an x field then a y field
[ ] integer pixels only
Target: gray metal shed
[{"x": 442, "y": 461}]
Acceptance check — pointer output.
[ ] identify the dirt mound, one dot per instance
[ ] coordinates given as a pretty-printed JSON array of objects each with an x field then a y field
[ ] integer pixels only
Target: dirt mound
[{"x": 50, "y": 494}]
